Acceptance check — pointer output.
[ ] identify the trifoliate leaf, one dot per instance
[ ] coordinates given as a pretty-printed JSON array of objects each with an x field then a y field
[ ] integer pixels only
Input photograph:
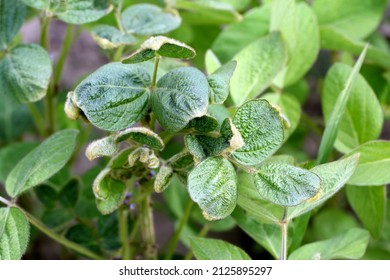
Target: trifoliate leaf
[{"x": 219, "y": 82}]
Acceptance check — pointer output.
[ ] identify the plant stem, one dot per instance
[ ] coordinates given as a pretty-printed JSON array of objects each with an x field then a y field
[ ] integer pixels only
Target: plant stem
[
  {"x": 175, "y": 239},
  {"x": 203, "y": 232},
  {"x": 39, "y": 123},
  {"x": 63, "y": 241},
  {"x": 67, "y": 43},
  {"x": 118, "y": 18},
  {"x": 147, "y": 229},
  {"x": 155, "y": 70},
  {"x": 133, "y": 235},
  {"x": 44, "y": 36},
  {"x": 123, "y": 233},
  {"x": 284, "y": 230}
]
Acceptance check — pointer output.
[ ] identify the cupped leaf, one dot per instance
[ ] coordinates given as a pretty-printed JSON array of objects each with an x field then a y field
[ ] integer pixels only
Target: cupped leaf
[
  {"x": 25, "y": 79},
  {"x": 286, "y": 185},
  {"x": 104, "y": 147},
  {"x": 261, "y": 129},
  {"x": 236, "y": 36},
  {"x": 363, "y": 117},
  {"x": 181, "y": 161},
  {"x": 374, "y": 164},
  {"x": 290, "y": 109},
  {"x": 161, "y": 46},
  {"x": 14, "y": 233},
  {"x": 147, "y": 19},
  {"x": 140, "y": 135},
  {"x": 81, "y": 11},
  {"x": 344, "y": 15},
  {"x": 213, "y": 249},
  {"x": 12, "y": 15},
  {"x": 219, "y": 82},
  {"x": 115, "y": 96},
  {"x": 163, "y": 178},
  {"x": 212, "y": 184},
  {"x": 334, "y": 176},
  {"x": 349, "y": 245},
  {"x": 369, "y": 204},
  {"x": 202, "y": 124},
  {"x": 42, "y": 162},
  {"x": 109, "y": 37},
  {"x": 257, "y": 65},
  {"x": 181, "y": 95}
]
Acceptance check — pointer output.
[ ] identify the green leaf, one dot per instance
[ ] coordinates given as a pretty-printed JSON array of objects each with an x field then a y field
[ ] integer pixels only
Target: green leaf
[
  {"x": 163, "y": 178},
  {"x": 161, "y": 46},
  {"x": 115, "y": 96},
  {"x": 267, "y": 235},
  {"x": 15, "y": 118},
  {"x": 14, "y": 233},
  {"x": 374, "y": 164},
  {"x": 108, "y": 230},
  {"x": 230, "y": 133},
  {"x": 332, "y": 127},
  {"x": 249, "y": 199},
  {"x": 350, "y": 245},
  {"x": 213, "y": 185},
  {"x": 261, "y": 129},
  {"x": 207, "y": 12},
  {"x": 82, "y": 11},
  {"x": 363, "y": 117},
  {"x": 42, "y": 162},
  {"x": 141, "y": 136},
  {"x": 202, "y": 146},
  {"x": 286, "y": 185},
  {"x": 84, "y": 236},
  {"x": 109, "y": 192},
  {"x": 219, "y": 82},
  {"x": 257, "y": 65},
  {"x": 202, "y": 124},
  {"x": 25, "y": 79},
  {"x": 181, "y": 95},
  {"x": 213, "y": 249},
  {"x": 147, "y": 19},
  {"x": 181, "y": 161},
  {"x": 344, "y": 15},
  {"x": 236, "y": 36},
  {"x": 104, "y": 147},
  {"x": 290, "y": 109},
  {"x": 334, "y": 176},
  {"x": 37, "y": 4},
  {"x": 109, "y": 37},
  {"x": 212, "y": 62},
  {"x": 70, "y": 193},
  {"x": 11, "y": 155},
  {"x": 12, "y": 15},
  {"x": 369, "y": 204},
  {"x": 323, "y": 225},
  {"x": 299, "y": 28},
  {"x": 47, "y": 195}
]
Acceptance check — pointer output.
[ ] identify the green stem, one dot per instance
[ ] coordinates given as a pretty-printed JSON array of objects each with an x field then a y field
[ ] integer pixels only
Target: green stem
[
  {"x": 147, "y": 229},
  {"x": 175, "y": 239},
  {"x": 67, "y": 43},
  {"x": 44, "y": 36},
  {"x": 118, "y": 17},
  {"x": 133, "y": 235},
  {"x": 38, "y": 120},
  {"x": 155, "y": 70},
  {"x": 118, "y": 53},
  {"x": 123, "y": 233},
  {"x": 284, "y": 230},
  {"x": 41, "y": 227},
  {"x": 203, "y": 232}
]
